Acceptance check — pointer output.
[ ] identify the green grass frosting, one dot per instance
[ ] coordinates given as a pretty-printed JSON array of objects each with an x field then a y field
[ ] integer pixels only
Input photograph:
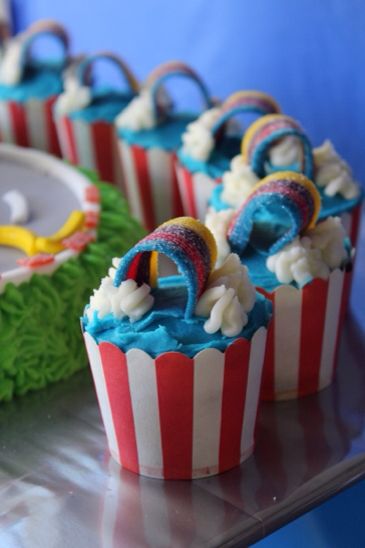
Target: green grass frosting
[{"x": 40, "y": 335}]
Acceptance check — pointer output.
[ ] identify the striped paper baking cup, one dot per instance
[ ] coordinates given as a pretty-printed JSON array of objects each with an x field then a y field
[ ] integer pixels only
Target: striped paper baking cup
[
  {"x": 175, "y": 417},
  {"x": 195, "y": 190},
  {"x": 304, "y": 335},
  {"x": 151, "y": 186},
  {"x": 92, "y": 145},
  {"x": 30, "y": 124}
]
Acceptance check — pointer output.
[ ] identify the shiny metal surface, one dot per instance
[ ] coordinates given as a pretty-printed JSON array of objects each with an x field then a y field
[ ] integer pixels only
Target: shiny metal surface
[{"x": 59, "y": 488}]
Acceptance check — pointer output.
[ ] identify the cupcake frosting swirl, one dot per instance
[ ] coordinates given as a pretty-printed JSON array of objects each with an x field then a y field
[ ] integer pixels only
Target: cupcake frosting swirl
[{"x": 333, "y": 173}]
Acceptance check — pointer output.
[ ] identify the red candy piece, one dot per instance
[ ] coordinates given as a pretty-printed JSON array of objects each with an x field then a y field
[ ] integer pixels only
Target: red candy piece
[
  {"x": 92, "y": 194},
  {"x": 36, "y": 260},
  {"x": 78, "y": 241},
  {"x": 91, "y": 219}
]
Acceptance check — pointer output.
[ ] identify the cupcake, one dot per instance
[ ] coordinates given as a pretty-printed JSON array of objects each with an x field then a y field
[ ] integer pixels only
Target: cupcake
[
  {"x": 303, "y": 266},
  {"x": 210, "y": 143},
  {"x": 85, "y": 114},
  {"x": 177, "y": 368},
  {"x": 277, "y": 142},
  {"x": 29, "y": 88},
  {"x": 149, "y": 133}
]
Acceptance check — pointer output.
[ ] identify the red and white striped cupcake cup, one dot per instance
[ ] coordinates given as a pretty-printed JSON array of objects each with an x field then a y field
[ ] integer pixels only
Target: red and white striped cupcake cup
[
  {"x": 150, "y": 181},
  {"x": 195, "y": 190},
  {"x": 94, "y": 144},
  {"x": 303, "y": 336},
  {"x": 30, "y": 123},
  {"x": 175, "y": 417}
]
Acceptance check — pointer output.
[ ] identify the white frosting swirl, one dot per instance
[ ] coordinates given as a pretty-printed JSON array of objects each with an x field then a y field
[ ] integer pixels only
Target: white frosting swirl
[
  {"x": 218, "y": 223},
  {"x": 128, "y": 299},
  {"x": 313, "y": 255},
  {"x": 10, "y": 67},
  {"x": 140, "y": 113},
  {"x": 228, "y": 298},
  {"x": 286, "y": 152},
  {"x": 198, "y": 140},
  {"x": 333, "y": 173},
  {"x": 75, "y": 97},
  {"x": 238, "y": 182}
]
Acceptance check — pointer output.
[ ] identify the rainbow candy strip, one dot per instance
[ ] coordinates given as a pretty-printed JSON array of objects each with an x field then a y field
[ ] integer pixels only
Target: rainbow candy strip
[
  {"x": 42, "y": 28},
  {"x": 245, "y": 101},
  {"x": 83, "y": 68},
  {"x": 174, "y": 68},
  {"x": 293, "y": 192},
  {"x": 267, "y": 130},
  {"x": 185, "y": 241}
]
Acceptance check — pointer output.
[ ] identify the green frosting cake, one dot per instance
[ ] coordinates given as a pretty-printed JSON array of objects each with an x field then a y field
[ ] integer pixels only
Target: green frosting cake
[{"x": 40, "y": 335}]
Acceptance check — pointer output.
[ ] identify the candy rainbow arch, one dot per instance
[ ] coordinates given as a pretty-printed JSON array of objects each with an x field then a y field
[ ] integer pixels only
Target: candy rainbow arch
[
  {"x": 185, "y": 241},
  {"x": 293, "y": 192},
  {"x": 246, "y": 101},
  {"x": 42, "y": 28},
  {"x": 170, "y": 69},
  {"x": 85, "y": 65},
  {"x": 267, "y": 130}
]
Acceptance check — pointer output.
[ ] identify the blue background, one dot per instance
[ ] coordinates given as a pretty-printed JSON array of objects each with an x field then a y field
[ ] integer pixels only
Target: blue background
[{"x": 309, "y": 54}]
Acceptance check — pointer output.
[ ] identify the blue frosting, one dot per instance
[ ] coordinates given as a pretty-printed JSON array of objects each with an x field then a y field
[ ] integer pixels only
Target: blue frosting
[
  {"x": 226, "y": 148},
  {"x": 166, "y": 135},
  {"x": 331, "y": 206},
  {"x": 105, "y": 106},
  {"x": 40, "y": 81},
  {"x": 164, "y": 328},
  {"x": 260, "y": 276},
  {"x": 270, "y": 224}
]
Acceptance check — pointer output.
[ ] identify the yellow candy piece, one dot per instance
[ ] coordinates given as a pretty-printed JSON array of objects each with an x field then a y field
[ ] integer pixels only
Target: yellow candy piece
[
  {"x": 153, "y": 268},
  {"x": 53, "y": 243},
  {"x": 26, "y": 240},
  {"x": 202, "y": 230},
  {"x": 18, "y": 237}
]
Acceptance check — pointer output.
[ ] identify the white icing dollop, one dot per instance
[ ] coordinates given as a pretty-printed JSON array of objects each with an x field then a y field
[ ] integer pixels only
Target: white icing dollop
[
  {"x": 75, "y": 97},
  {"x": 238, "y": 182},
  {"x": 218, "y": 223},
  {"x": 18, "y": 204},
  {"x": 313, "y": 255},
  {"x": 128, "y": 299},
  {"x": 11, "y": 67},
  {"x": 333, "y": 173},
  {"x": 286, "y": 152},
  {"x": 198, "y": 139},
  {"x": 228, "y": 299},
  {"x": 140, "y": 113}
]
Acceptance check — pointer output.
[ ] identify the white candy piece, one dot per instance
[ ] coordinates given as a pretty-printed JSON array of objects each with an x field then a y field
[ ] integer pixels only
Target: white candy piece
[
  {"x": 314, "y": 255},
  {"x": 333, "y": 173},
  {"x": 228, "y": 298},
  {"x": 18, "y": 204}
]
